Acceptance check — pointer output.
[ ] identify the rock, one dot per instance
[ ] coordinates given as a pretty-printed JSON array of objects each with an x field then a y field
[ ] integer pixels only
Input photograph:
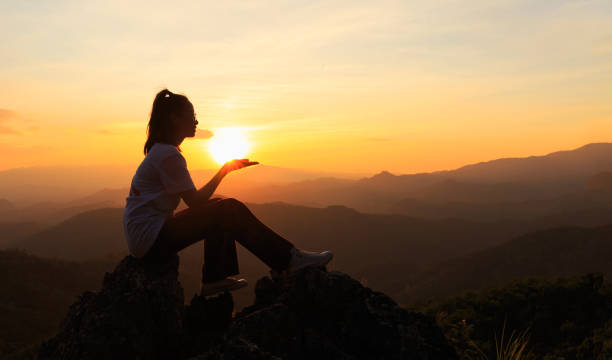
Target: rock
[
  {"x": 329, "y": 315},
  {"x": 235, "y": 349},
  {"x": 139, "y": 314},
  {"x": 205, "y": 323}
]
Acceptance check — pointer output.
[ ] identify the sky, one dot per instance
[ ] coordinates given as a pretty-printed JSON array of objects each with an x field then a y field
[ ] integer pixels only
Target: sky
[{"x": 341, "y": 86}]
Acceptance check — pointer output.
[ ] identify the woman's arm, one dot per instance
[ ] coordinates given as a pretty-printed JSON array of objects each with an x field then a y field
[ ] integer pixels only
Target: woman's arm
[{"x": 195, "y": 198}]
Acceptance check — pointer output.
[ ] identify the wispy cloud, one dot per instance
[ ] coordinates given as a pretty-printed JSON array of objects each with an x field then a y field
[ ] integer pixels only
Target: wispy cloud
[
  {"x": 5, "y": 116},
  {"x": 8, "y": 130},
  {"x": 203, "y": 134}
]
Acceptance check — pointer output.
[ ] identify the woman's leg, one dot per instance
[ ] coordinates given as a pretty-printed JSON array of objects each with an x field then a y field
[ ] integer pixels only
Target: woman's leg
[
  {"x": 220, "y": 257},
  {"x": 220, "y": 222}
]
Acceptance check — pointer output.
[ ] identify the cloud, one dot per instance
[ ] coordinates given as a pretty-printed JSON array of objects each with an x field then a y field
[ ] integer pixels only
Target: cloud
[
  {"x": 203, "y": 134},
  {"x": 8, "y": 130},
  {"x": 6, "y": 114}
]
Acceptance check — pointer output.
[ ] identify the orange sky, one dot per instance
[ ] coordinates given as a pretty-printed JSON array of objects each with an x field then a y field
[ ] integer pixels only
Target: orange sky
[{"x": 353, "y": 87}]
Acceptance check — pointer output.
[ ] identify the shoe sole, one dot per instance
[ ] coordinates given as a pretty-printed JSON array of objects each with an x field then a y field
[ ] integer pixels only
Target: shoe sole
[{"x": 236, "y": 286}]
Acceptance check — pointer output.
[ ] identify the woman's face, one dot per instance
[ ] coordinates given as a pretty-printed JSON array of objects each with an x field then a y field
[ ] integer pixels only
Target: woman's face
[{"x": 186, "y": 123}]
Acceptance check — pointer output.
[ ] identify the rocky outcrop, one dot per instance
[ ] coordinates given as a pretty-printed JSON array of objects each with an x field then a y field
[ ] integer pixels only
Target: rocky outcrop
[
  {"x": 139, "y": 314},
  {"x": 329, "y": 315}
]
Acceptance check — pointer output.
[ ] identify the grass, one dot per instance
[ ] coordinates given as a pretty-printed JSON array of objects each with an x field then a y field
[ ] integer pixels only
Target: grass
[{"x": 511, "y": 348}]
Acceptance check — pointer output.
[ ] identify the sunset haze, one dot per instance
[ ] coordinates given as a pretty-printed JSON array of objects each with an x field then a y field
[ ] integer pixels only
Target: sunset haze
[{"x": 355, "y": 87}]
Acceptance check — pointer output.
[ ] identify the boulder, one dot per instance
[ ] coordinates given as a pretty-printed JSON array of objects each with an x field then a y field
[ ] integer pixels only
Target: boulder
[
  {"x": 329, "y": 315},
  {"x": 140, "y": 314}
]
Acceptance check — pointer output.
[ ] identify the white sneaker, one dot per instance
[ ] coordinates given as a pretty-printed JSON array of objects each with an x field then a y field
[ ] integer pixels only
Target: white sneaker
[
  {"x": 227, "y": 284},
  {"x": 301, "y": 259}
]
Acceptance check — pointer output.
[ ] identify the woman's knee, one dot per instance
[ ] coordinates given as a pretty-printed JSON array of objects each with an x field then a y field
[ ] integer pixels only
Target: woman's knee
[
  {"x": 217, "y": 206},
  {"x": 232, "y": 203},
  {"x": 234, "y": 212}
]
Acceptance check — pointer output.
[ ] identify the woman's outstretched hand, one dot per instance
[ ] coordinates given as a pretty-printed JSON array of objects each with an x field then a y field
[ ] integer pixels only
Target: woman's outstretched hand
[{"x": 236, "y": 164}]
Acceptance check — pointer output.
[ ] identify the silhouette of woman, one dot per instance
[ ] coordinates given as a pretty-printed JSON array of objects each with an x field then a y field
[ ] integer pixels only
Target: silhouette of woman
[{"x": 154, "y": 232}]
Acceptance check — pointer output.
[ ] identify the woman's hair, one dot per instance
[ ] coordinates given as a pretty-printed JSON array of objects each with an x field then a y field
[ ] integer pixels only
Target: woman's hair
[{"x": 160, "y": 128}]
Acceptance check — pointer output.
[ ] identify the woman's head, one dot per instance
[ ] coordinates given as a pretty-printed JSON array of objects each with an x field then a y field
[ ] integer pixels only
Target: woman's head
[{"x": 172, "y": 120}]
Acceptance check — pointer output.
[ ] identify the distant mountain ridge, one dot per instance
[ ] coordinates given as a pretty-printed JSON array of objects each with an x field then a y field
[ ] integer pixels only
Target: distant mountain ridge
[
  {"x": 547, "y": 253},
  {"x": 386, "y": 251},
  {"x": 583, "y": 161},
  {"x": 39, "y": 184},
  {"x": 93, "y": 234},
  {"x": 494, "y": 187},
  {"x": 13, "y": 232},
  {"x": 573, "y": 164},
  {"x": 509, "y": 180}
]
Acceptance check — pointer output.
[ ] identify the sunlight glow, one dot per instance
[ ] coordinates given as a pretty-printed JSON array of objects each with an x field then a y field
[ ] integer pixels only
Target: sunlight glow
[{"x": 228, "y": 144}]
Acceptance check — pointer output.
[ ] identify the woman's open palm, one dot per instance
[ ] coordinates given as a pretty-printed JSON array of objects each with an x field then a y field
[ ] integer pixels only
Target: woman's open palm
[{"x": 237, "y": 164}]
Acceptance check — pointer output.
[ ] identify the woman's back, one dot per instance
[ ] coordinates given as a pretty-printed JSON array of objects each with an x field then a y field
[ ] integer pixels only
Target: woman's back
[{"x": 153, "y": 196}]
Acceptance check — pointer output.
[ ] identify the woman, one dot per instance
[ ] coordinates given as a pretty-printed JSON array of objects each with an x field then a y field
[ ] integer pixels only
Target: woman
[{"x": 153, "y": 232}]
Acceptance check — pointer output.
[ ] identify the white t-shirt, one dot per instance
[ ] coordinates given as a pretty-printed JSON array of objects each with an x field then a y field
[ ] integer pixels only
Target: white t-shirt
[{"x": 153, "y": 197}]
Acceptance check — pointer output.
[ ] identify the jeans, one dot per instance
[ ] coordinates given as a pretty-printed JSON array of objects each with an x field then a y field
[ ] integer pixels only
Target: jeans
[{"x": 221, "y": 222}]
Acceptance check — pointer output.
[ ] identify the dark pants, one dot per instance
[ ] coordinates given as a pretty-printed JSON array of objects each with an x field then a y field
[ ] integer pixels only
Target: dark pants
[{"x": 221, "y": 222}]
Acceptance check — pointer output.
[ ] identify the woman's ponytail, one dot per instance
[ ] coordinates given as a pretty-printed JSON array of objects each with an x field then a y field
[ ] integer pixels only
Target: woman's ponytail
[{"x": 160, "y": 128}]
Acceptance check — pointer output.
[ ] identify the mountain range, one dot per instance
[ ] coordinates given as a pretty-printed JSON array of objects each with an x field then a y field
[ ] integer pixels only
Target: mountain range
[
  {"x": 502, "y": 189},
  {"x": 563, "y": 251},
  {"x": 421, "y": 220},
  {"x": 414, "y": 237},
  {"x": 388, "y": 252}
]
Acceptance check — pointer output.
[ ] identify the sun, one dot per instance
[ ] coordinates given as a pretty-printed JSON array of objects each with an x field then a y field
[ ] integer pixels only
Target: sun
[{"x": 228, "y": 143}]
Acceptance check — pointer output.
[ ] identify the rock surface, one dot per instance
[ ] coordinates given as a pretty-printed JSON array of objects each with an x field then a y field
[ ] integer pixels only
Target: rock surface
[
  {"x": 139, "y": 314},
  {"x": 329, "y": 315}
]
